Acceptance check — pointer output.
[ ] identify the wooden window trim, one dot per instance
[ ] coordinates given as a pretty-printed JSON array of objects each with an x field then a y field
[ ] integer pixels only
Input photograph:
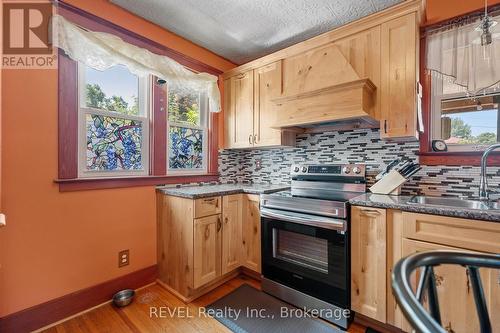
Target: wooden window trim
[
  {"x": 68, "y": 116},
  {"x": 426, "y": 155}
]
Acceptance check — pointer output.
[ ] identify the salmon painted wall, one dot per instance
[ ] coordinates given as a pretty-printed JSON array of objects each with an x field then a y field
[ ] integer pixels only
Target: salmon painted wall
[
  {"x": 439, "y": 10},
  {"x": 57, "y": 243}
]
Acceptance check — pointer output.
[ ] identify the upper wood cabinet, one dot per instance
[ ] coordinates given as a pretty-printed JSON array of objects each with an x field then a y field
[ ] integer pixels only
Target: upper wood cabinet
[
  {"x": 399, "y": 68},
  {"x": 249, "y": 113},
  {"x": 368, "y": 262},
  {"x": 267, "y": 86},
  {"x": 363, "y": 74},
  {"x": 238, "y": 111}
]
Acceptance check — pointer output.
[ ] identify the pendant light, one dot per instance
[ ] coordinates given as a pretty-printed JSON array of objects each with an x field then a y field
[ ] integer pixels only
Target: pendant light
[{"x": 484, "y": 28}]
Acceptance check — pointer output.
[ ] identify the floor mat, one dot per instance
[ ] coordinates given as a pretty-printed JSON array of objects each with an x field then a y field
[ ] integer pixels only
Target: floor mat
[{"x": 248, "y": 310}]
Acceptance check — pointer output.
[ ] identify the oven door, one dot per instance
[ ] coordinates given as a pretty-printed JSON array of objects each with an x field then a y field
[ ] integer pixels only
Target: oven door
[{"x": 308, "y": 253}]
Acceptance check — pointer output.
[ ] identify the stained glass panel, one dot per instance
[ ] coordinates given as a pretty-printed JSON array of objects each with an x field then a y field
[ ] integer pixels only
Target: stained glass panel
[
  {"x": 184, "y": 107},
  {"x": 113, "y": 143},
  {"x": 185, "y": 148}
]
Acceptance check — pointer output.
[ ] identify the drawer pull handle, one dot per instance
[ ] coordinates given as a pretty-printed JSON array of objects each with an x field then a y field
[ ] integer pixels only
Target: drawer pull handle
[
  {"x": 370, "y": 211},
  {"x": 212, "y": 201}
]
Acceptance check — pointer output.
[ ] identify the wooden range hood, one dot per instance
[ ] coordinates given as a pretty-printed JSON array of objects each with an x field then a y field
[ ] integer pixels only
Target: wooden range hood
[{"x": 315, "y": 94}]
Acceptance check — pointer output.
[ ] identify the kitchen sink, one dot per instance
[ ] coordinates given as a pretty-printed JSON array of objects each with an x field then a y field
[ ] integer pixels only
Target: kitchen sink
[{"x": 454, "y": 202}]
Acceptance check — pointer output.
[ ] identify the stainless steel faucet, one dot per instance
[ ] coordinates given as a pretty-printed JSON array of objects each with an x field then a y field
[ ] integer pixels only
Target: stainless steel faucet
[{"x": 483, "y": 182}]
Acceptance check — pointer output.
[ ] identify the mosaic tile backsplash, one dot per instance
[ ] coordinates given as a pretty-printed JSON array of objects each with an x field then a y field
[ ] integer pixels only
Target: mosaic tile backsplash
[{"x": 357, "y": 146}]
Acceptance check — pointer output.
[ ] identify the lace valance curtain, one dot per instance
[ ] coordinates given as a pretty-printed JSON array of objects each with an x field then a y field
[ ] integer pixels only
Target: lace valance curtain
[
  {"x": 101, "y": 51},
  {"x": 455, "y": 54}
]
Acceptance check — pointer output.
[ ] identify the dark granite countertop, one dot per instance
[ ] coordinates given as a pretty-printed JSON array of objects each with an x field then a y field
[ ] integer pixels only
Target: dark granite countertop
[
  {"x": 204, "y": 191},
  {"x": 401, "y": 202}
]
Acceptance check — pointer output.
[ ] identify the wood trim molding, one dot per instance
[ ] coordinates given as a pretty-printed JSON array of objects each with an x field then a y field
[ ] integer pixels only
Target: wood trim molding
[
  {"x": 457, "y": 158},
  {"x": 57, "y": 309},
  {"x": 81, "y": 184},
  {"x": 96, "y": 23},
  {"x": 158, "y": 138},
  {"x": 67, "y": 117},
  {"x": 475, "y": 14},
  {"x": 213, "y": 142}
]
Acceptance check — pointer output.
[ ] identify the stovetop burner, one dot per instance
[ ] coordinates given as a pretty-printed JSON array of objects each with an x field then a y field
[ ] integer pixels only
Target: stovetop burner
[
  {"x": 339, "y": 196},
  {"x": 320, "y": 190}
]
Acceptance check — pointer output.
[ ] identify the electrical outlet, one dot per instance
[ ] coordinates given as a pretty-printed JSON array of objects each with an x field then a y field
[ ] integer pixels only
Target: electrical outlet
[{"x": 123, "y": 258}]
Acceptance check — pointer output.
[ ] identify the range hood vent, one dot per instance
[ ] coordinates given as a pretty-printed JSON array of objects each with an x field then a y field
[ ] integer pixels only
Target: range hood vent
[
  {"x": 354, "y": 100},
  {"x": 322, "y": 86}
]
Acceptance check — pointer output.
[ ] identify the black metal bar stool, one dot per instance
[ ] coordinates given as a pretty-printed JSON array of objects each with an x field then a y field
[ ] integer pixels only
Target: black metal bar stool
[{"x": 411, "y": 303}]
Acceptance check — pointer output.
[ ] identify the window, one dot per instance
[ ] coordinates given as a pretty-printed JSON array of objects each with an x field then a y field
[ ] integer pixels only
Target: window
[
  {"x": 113, "y": 123},
  {"x": 114, "y": 127},
  {"x": 462, "y": 86},
  {"x": 464, "y": 123},
  {"x": 187, "y": 131}
]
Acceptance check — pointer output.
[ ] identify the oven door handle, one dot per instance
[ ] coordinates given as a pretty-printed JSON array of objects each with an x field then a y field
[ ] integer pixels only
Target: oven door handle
[{"x": 310, "y": 220}]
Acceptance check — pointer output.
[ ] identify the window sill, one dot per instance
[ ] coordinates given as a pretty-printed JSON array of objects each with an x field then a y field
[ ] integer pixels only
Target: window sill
[
  {"x": 81, "y": 184},
  {"x": 456, "y": 158}
]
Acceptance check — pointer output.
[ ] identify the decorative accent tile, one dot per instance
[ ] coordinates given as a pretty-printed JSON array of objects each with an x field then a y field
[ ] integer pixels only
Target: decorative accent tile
[{"x": 357, "y": 146}]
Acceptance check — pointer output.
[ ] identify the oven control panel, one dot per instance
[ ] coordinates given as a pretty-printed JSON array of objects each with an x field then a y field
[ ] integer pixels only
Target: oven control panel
[{"x": 345, "y": 170}]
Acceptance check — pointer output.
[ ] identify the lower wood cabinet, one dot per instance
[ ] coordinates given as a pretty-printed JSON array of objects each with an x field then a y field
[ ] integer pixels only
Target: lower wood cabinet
[
  {"x": 231, "y": 232},
  {"x": 379, "y": 238},
  {"x": 198, "y": 253},
  {"x": 207, "y": 250},
  {"x": 251, "y": 233},
  {"x": 456, "y": 299},
  {"x": 368, "y": 262}
]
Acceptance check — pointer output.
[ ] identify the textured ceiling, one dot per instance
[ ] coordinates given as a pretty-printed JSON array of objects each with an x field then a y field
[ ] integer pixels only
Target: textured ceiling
[{"x": 243, "y": 30}]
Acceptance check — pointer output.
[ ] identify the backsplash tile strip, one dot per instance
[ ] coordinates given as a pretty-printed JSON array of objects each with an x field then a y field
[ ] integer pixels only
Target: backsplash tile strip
[{"x": 357, "y": 146}]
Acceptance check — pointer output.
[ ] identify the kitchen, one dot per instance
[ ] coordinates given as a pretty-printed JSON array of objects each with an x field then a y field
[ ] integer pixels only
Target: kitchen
[{"x": 336, "y": 154}]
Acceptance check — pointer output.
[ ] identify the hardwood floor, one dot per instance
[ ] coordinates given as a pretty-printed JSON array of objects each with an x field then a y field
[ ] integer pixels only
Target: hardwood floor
[{"x": 136, "y": 318}]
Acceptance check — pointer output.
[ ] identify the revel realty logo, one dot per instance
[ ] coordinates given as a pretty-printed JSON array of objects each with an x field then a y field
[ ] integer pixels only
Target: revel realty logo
[{"x": 26, "y": 37}]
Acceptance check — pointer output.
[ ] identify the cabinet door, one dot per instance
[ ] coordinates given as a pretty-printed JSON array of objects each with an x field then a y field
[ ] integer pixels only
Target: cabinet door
[
  {"x": 251, "y": 233},
  {"x": 399, "y": 76},
  {"x": 368, "y": 262},
  {"x": 207, "y": 250},
  {"x": 267, "y": 85},
  {"x": 456, "y": 300},
  {"x": 232, "y": 210},
  {"x": 239, "y": 110}
]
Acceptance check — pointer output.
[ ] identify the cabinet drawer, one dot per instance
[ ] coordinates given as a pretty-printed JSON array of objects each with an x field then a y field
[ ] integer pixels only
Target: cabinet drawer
[
  {"x": 468, "y": 234},
  {"x": 207, "y": 206}
]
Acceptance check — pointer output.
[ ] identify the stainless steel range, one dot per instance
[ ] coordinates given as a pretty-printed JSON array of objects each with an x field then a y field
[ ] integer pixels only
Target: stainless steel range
[{"x": 305, "y": 239}]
